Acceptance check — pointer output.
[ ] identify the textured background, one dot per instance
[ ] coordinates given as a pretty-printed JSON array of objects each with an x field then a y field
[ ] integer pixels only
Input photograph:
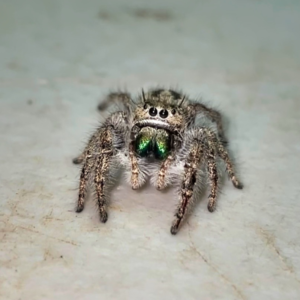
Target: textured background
[{"x": 57, "y": 59}]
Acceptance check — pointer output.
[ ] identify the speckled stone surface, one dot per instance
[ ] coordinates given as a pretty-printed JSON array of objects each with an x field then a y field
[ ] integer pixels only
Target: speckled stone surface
[{"x": 57, "y": 59}]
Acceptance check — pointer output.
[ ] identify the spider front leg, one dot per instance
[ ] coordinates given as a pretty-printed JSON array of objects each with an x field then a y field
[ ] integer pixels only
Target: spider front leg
[
  {"x": 138, "y": 169},
  {"x": 161, "y": 181},
  {"x": 187, "y": 187},
  {"x": 213, "y": 176},
  {"x": 97, "y": 160},
  {"x": 97, "y": 157},
  {"x": 135, "y": 171},
  {"x": 84, "y": 177},
  {"x": 100, "y": 179}
]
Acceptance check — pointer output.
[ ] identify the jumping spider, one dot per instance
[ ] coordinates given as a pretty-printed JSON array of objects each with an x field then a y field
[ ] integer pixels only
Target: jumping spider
[{"x": 155, "y": 137}]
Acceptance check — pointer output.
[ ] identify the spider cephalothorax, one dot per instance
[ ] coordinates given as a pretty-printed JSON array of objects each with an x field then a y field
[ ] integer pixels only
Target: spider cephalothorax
[
  {"x": 158, "y": 137},
  {"x": 158, "y": 121}
]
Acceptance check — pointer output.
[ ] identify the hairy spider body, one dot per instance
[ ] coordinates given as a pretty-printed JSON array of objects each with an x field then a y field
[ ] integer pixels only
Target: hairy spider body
[{"x": 157, "y": 137}]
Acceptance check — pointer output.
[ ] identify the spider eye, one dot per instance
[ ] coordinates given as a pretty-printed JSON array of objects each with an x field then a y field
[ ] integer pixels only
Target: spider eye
[
  {"x": 152, "y": 111},
  {"x": 163, "y": 113},
  {"x": 145, "y": 106},
  {"x": 173, "y": 111}
]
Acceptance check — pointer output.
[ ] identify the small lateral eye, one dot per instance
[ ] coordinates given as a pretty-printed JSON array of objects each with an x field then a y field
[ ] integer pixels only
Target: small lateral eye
[
  {"x": 173, "y": 111},
  {"x": 145, "y": 106}
]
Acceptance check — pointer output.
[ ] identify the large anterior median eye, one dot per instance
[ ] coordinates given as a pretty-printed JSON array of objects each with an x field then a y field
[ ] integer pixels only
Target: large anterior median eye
[
  {"x": 152, "y": 111},
  {"x": 163, "y": 113}
]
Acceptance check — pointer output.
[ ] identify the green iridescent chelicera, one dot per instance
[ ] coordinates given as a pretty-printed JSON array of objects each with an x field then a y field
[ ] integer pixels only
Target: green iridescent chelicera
[
  {"x": 144, "y": 146},
  {"x": 162, "y": 144},
  {"x": 154, "y": 141},
  {"x": 161, "y": 149}
]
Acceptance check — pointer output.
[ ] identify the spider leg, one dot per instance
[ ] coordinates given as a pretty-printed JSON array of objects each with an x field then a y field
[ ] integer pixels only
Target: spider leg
[
  {"x": 161, "y": 181},
  {"x": 223, "y": 153},
  {"x": 135, "y": 171},
  {"x": 97, "y": 160},
  {"x": 102, "y": 166},
  {"x": 213, "y": 176},
  {"x": 86, "y": 169},
  {"x": 187, "y": 187},
  {"x": 117, "y": 97},
  {"x": 102, "y": 150},
  {"x": 213, "y": 115}
]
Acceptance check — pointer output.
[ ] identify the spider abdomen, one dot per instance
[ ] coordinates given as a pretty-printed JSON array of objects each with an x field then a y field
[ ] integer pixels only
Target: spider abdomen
[{"x": 152, "y": 141}]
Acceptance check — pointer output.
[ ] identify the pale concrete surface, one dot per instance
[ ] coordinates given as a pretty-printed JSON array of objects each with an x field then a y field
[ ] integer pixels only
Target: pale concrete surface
[{"x": 57, "y": 58}]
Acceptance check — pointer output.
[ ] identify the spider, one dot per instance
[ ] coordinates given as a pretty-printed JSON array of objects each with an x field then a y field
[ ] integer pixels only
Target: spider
[{"x": 156, "y": 137}]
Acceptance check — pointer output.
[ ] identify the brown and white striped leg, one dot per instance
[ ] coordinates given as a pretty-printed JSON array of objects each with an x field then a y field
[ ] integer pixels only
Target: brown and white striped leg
[
  {"x": 84, "y": 177},
  {"x": 189, "y": 180},
  {"x": 161, "y": 183},
  {"x": 134, "y": 168},
  {"x": 229, "y": 166},
  {"x": 100, "y": 180},
  {"x": 213, "y": 176}
]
